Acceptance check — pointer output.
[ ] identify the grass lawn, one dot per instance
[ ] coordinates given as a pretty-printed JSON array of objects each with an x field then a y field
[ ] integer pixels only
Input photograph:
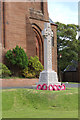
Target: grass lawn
[{"x": 29, "y": 103}]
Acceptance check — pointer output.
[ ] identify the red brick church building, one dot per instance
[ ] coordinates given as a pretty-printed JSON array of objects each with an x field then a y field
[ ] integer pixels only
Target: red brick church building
[{"x": 22, "y": 23}]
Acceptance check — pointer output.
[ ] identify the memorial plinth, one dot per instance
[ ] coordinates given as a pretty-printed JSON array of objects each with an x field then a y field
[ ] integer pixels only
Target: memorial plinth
[{"x": 48, "y": 76}]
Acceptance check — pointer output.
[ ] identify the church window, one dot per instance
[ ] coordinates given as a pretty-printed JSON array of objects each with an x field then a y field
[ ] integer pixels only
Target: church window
[
  {"x": 4, "y": 22},
  {"x": 42, "y": 6}
]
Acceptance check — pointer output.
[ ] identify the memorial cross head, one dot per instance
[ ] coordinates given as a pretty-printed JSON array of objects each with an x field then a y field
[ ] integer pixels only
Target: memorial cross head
[{"x": 47, "y": 32}]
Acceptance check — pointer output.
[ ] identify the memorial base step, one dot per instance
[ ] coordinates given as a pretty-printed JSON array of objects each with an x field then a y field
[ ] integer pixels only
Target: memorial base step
[{"x": 48, "y": 77}]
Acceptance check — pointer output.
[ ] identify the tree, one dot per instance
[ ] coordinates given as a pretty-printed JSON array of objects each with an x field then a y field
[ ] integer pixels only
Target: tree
[
  {"x": 16, "y": 60},
  {"x": 34, "y": 68},
  {"x": 68, "y": 45}
]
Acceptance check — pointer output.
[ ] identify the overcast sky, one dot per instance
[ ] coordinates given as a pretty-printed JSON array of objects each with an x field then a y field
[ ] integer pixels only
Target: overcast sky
[{"x": 64, "y": 11}]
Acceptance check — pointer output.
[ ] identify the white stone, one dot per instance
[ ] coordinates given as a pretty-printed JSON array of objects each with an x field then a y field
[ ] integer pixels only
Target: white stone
[
  {"x": 47, "y": 34},
  {"x": 48, "y": 76}
]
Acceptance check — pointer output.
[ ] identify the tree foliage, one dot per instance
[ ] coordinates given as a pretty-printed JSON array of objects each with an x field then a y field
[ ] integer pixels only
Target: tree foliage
[
  {"x": 4, "y": 71},
  {"x": 34, "y": 67},
  {"x": 17, "y": 57},
  {"x": 16, "y": 60},
  {"x": 68, "y": 45}
]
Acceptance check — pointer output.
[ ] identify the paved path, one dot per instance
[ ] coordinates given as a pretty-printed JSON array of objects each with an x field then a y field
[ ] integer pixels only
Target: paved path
[{"x": 72, "y": 85}]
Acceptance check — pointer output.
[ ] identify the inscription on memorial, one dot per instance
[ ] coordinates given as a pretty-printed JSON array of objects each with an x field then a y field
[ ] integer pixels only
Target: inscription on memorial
[{"x": 48, "y": 34}]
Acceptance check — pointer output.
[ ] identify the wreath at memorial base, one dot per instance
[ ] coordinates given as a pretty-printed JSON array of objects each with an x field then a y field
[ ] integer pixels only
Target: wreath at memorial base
[
  {"x": 55, "y": 87},
  {"x": 59, "y": 87},
  {"x": 39, "y": 87},
  {"x": 44, "y": 87},
  {"x": 51, "y": 87},
  {"x": 63, "y": 87}
]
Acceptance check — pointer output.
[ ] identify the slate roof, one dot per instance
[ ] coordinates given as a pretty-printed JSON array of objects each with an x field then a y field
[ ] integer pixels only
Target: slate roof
[
  {"x": 50, "y": 20},
  {"x": 72, "y": 67}
]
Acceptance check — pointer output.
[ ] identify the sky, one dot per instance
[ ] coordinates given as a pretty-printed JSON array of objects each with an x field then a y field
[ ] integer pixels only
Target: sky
[{"x": 64, "y": 11}]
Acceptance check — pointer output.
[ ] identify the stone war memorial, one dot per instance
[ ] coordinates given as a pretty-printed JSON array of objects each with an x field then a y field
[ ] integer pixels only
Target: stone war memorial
[{"x": 48, "y": 76}]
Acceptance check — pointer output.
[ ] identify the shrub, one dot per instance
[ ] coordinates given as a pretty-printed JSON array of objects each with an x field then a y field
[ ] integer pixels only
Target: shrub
[
  {"x": 4, "y": 71},
  {"x": 34, "y": 68},
  {"x": 28, "y": 74},
  {"x": 16, "y": 59}
]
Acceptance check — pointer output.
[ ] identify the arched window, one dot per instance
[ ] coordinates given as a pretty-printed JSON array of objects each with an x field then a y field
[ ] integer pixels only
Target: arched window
[
  {"x": 4, "y": 24},
  {"x": 39, "y": 43},
  {"x": 42, "y": 6}
]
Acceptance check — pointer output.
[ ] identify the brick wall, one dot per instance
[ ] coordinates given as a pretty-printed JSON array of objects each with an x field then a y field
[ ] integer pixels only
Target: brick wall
[
  {"x": 4, "y": 83},
  {"x": 54, "y": 49},
  {"x": 15, "y": 25}
]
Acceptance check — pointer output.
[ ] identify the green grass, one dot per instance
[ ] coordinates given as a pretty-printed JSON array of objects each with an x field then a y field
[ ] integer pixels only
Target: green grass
[{"x": 28, "y": 103}]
